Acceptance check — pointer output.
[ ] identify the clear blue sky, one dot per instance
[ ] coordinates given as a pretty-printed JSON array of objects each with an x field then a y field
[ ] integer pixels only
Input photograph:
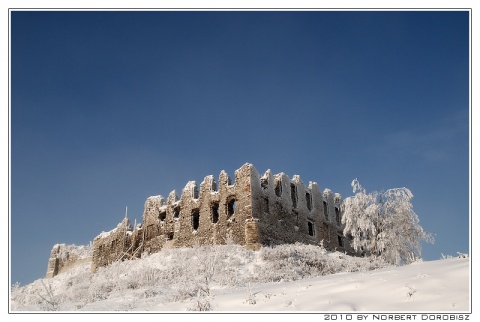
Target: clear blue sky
[{"x": 108, "y": 108}]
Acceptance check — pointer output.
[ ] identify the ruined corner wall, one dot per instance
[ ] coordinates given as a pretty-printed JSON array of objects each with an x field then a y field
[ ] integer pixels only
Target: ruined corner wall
[
  {"x": 65, "y": 257},
  {"x": 287, "y": 211},
  {"x": 112, "y": 246}
]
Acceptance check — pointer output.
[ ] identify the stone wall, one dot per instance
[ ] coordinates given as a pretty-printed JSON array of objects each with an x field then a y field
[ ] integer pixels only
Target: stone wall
[
  {"x": 112, "y": 246},
  {"x": 251, "y": 211},
  {"x": 205, "y": 214},
  {"x": 65, "y": 257},
  {"x": 288, "y": 211}
]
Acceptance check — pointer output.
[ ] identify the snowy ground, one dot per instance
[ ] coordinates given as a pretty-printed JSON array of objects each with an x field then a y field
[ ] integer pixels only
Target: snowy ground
[
  {"x": 436, "y": 286},
  {"x": 310, "y": 282}
]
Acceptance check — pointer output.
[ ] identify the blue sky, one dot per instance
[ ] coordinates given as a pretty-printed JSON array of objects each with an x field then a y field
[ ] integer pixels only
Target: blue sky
[{"x": 108, "y": 108}]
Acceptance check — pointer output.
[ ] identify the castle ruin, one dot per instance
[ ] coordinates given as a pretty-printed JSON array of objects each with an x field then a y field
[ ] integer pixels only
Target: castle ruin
[{"x": 253, "y": 211}]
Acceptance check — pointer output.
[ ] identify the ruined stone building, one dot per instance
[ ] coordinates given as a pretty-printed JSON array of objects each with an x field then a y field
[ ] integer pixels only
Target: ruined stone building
[
  {"x": 253, "y": 211},
  {"x": 65, "y": 257}
]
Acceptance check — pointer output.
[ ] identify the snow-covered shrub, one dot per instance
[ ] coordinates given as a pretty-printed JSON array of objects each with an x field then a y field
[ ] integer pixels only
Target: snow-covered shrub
[
  {"x": 50, "y": 300},
  {"x": 384, "y": 224},
  {"x": 192, "y": 274},
  {"x": 251, "y": 296},
  {"x": 33, "y": 295},
  {"x": 100, "y": 291},
  {"x": 460, "y": 255},
  {"x": 201, "y": 303},
  {"x": 293, "y": 262}
]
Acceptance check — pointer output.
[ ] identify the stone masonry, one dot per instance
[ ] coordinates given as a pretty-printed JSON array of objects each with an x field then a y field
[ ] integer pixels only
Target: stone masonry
[
  {"x": 64, "y": 257},
  {"x": 253, "y": 211}
]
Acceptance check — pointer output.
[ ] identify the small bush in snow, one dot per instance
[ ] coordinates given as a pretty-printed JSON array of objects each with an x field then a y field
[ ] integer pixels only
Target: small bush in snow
[{"x": 460, "y": 255}]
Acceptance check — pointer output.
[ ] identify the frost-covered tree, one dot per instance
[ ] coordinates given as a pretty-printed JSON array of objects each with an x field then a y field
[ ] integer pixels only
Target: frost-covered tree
[{"x": 384, "y": 224}]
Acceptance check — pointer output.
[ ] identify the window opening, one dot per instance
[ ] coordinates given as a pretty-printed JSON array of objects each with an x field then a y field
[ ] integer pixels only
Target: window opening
[
  {"x": 311, "y": 228},
  {"x": 278, "y": 188},
  {"x": 176, "y": 212},
  {"x": 340, "y": 241},
  {"x": 170, "y": 236},
  {"x": 195, "y": 218},
  {"x": 308, "y": 197},
  {"x": 214, "y": 212},
  {"x": 162, "y": 216},
  {"x": 264, "y": 183},
  {"x": 293, "y": 192},
  {"x": 195, "y": 192},
  {"x": 325, "y": 210},
  {"x": 231, "y": 207},
  {"x": 337, "y": 215}
]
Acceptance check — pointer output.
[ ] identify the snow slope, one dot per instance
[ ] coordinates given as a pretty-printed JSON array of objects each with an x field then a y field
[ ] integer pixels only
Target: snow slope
[
  {"x": 237, "y": 284},
  {"x": 436, "y": 286}
]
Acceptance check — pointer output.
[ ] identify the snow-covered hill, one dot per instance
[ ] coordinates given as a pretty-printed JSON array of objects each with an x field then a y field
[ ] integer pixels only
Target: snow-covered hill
[{"x": 232, "y": 279}]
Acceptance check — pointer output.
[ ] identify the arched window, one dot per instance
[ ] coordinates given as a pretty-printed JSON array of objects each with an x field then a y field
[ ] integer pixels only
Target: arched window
[
  {"x": 264, "y": 182},
  {"x": 195, "y": 218},
  {"x": 214, "y": 212},
  {"x": 293, "y": 193},
  {"x": 308, "y": 197},
  {"x": 278, "y": 188},
  {"x": 176, "y": 212},
  {"x": 162, "y": 216},
  {"x": 231, "y": 207},
  {"x": 311, "y": 228}
]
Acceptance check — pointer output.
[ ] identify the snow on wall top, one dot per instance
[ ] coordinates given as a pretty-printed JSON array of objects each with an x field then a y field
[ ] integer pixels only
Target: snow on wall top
[
  {"x": 104, "y": 234},
  {"x": 82, "y": 251}
]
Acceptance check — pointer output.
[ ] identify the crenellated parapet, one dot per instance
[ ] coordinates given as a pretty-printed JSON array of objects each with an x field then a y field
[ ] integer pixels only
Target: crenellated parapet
[
  {"x": 289, "y": 211},
  {"x": 252, "y": 210}
]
